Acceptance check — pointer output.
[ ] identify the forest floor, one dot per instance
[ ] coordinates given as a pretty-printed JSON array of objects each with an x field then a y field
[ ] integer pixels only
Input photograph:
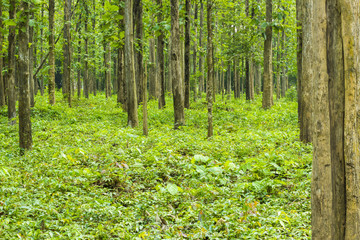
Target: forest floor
[{"x": 90, "y": 176}]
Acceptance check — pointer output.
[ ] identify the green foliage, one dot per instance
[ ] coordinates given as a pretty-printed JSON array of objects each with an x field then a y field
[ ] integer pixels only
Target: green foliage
[{"x": 91, "y": 177}]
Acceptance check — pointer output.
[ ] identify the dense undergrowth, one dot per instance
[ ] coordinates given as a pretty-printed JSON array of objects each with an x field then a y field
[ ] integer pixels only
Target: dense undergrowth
[{"x": 89, "y": 176}]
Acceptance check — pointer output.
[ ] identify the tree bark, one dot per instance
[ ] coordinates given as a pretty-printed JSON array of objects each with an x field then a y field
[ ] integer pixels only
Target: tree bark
[
  {"x": 25, "y": 137},
  {"x": 210, "y": 73},
  {"x": 129, "y": 66},
  {"x": 31, "y": 63},
  {"x": 145, "y": 112},
  {"x": 2, "y": 83},
  {"x": 11, "y": 66},
  {"x": 268, "y": 100},
  {"x": 108, "y": 70},
  {"x": 278, "y": 68},
  {"x": 284, "y": 78},
  {"x": 67, "y": 52},
  {"x": 187, "y": 54},
  {"x": 51, "y": 84},
  {"x": 195, "y": 51},
  {"x": 139, "y": 68},
  {"x": 177, "y": 81},
  {"x": 152, "y": 70},
  {"x": 201, "y": 55},
  {"x": 160, "y": 56}
]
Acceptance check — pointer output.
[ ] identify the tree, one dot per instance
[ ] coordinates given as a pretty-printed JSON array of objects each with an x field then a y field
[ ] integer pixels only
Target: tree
[
  {"x": 139, "y": 32},
  {"x": 11, "y": 66},
  {"x": 336, "y": 164},
  {"x": 177, "y": 81},
  {"x": 160, "y": 55},
  {"x": 51, "y": 86},
  {"x": 201, "y": 57},
  {"x": 187, "y": 54},
  {"x": 25, "y": 136},
  {"x": 268, "y": 100},
  {"x": 67, "y": 52},
  {"x": 129, "y": 65},
  {"x": 210, "y": 63},
  {"x": 2, "y": 83}
]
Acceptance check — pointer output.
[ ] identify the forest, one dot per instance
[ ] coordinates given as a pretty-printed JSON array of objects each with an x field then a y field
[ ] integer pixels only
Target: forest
[{"x": 179, "y": 119}]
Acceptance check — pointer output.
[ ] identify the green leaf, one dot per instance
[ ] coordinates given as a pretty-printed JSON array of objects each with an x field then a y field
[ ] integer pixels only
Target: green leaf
[{"x": 173, "y": 189}]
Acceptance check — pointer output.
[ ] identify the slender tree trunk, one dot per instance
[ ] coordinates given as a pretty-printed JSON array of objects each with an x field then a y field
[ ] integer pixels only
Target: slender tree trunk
[
  {"x": 268, "y": 100},
  {"x": 139, "y": 68},
  {"x": 177, "y": 81},
  {"x": 31, "y": 62},
  {"x": 228, "y": 82},
  {"x": 79, "y": 57},
  {"x": 169, "y": 83},
  {"x": 25, "y": 137},
  {"x": 152, "y": 70},
  {"x": 284, "y": 78},
  {"x": 42, "y": 50},
  {"x": 210, "y": 63},
  {"x": 195, "y": 51},
  {"x": 108, "y": 70},
  {"x": 120, "y": 92},
  {"x": 160, "y": 56},
  {"x": 306, "y": 81},
  {"x": 201, "y": 58},
  {"x": 129, "y": 66},
  {"x": 11, "y": 66},
  {"x": 51, "y": 87},
  {"x": 278, "y": 69},
  {"x": 67, "y": 51},
  {"x": 187, "y": 54},
  {"x": 86, "y": 42},
  {"x": 2, "y": 83},
  {"x": 145, "y": 112}
]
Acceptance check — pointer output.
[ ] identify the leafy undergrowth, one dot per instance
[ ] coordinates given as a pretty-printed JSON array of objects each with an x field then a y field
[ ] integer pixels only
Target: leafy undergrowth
[{"x": 91, "y": 177}]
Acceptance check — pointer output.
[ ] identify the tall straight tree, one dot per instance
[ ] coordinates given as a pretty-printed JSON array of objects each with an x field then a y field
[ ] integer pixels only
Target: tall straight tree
[
  {"x": 177, "y": 81},
  {"x": 31, "y": 60},
  {"x": 25, "y": 136},
  {"x": 201, "y": 55},
  {"x": 129, "y": 65},
  {"x": 2, "y": 83},
  {"x": 187, "y": 54},
  {"x": 67, "y": 51},
  {"x": 210, "y": 63},
  {"x": 268, "y": 100},
  {"x": 51, "y": 84},
  {"x": 139, "y": 32},
  {"x": 160, "y": 55},
  {"x": 11, "y": 66},
  {"x": 86, "y": 42}
]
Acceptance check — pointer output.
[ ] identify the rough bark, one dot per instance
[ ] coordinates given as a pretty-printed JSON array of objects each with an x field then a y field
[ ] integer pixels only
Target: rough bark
[
  {"x": 160, "y": 56},
  {"x": 177, "y": 81},
  {"x": 11, "y": 95},
  {"x": 268, "y": 100},
  {"x": 210, "y": 73},
  {"x": 25, "y": 137},
  {"x": 129, "y": 66},
  {"x": 187, "y": 54}
]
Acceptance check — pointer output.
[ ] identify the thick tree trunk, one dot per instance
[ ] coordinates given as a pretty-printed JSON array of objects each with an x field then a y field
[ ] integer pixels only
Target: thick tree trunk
[
  {"x": 51, "y": 84},
  {"x": 139, "y": 68},
  {"x": 268, "y": 100},
  {"x": 2, "y": 83},
  {"x": 25, "y": 137},
  {"x": 152, "y": 70},
  {"x": 67, "y": 52},
  {"x": 129, "y": 66},
  {"x": 177, "y": 81},
  {"x": 210, "y": 73},
  {"x": 187, "y": 54},
  {"x": 160, "y": 56},
  {"x": 11, "y": 95}
]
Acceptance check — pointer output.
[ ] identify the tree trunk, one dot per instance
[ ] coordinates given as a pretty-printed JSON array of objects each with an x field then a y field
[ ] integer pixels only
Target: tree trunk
[
  {"x": 67, "y": 52},
  {"x": 268, "y": 100},
  {"x": 25, "y": 137},
  {"x": 195, "y": 51},
  {"x": 177, "y": 81},
  {"x": 120, "y": 77},
  {"x": 152, "y": 70},
  {"x": 210, "y": 73},
  {"x": 11, "y": 66},
  {"x": 145, "y": 112},
  {"x": 51, "y": 84},
  {"x": 108, "y": 70},
  {"x": 139, "y": 68},
  {"x": 160, "y": 56},
  {"x": 31, "y": 62},
  {"x": 284, "y": 78},
  {"x": 2, "y": 83},
  {"x": 278, "y": 68},
  {"x": 187, "y": 54},
  {"x": 228, "y": 82},
  {"x": 129, "y": 65},
  {"x": 201, "y": 55}
]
